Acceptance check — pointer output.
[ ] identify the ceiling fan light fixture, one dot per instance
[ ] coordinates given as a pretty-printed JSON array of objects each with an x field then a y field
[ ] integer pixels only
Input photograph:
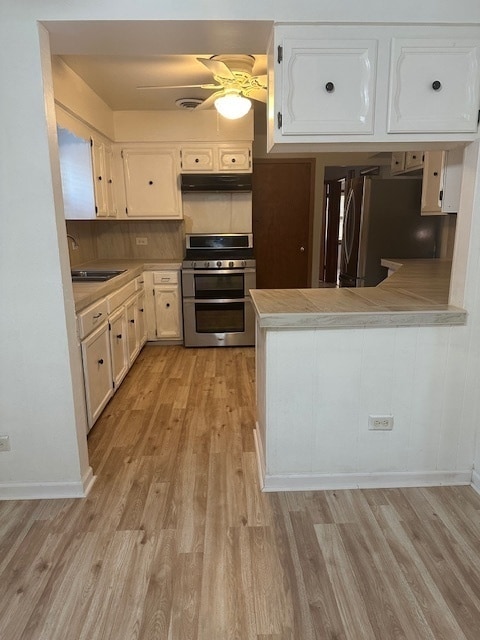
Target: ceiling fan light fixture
[{"x": 232, "y": 106}]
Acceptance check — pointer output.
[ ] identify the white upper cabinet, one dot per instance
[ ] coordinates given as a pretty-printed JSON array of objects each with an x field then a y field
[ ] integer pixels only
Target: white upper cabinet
[
  {"x": 103, "y": 179},
  {"x": 434, "y": 86},
  {"x": 355, "y": 87},
  {"x": 328, "y": 86},
  {"x": 152, "y": 187},
  {"x": 217, "y": 157}
]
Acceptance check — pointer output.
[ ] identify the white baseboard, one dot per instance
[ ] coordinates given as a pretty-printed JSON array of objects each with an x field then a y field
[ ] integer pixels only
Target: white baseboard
[
  {"x": 47, "y": 490},
  {"x": 260, "y": 457},
  {"x": 380, "y": 480},
  {"x": 476, "y": 481}
]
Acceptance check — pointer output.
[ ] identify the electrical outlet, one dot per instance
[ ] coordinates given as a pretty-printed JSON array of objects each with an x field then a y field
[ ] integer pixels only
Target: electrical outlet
[
  {"x": 4, "y": 443},
  {"x": 380, "y": 422},
  {"x": 142, "y": 241}
]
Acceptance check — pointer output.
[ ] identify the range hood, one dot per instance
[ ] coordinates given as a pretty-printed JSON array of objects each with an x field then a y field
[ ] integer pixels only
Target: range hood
[{"x": 194, "y": 182}]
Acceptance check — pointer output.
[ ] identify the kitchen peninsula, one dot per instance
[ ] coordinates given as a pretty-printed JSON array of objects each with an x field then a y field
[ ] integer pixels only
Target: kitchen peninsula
[{"x": 327, "y": 359}]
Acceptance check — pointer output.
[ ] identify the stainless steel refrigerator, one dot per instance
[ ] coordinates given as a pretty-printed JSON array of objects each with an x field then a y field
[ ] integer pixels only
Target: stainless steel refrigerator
[{"x": 382, "y": 220}]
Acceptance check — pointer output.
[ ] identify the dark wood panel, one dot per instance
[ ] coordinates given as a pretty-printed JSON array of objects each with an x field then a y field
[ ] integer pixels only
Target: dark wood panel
[{"x": 282, "y": 210}]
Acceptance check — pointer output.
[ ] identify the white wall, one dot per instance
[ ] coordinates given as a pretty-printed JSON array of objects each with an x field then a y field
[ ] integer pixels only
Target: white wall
[{"x": 40, "y": 398}]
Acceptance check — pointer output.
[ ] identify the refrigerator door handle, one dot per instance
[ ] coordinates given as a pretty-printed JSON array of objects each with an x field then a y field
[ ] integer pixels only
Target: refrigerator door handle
[{"x": 350, "y": 225}]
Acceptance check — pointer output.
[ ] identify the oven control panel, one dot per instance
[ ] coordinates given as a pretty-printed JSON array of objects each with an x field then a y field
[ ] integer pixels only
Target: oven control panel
[{"x": 218, "y": 264}]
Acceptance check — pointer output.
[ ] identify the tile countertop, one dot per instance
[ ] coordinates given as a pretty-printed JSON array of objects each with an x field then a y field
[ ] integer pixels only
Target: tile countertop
[
  {"x": 416, "y": 294},
  {"x": 85, "y": 293}
]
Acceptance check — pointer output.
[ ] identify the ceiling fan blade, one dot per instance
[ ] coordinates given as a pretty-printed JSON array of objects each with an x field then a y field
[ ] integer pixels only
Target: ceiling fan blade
[
  {"x": 206, "y": 104},
  {"x": 258, "y": 94},
  {"x": 262, "y": 80},
  {"x": 217, "y": 67},
  {"x": 181, "y": 86}
]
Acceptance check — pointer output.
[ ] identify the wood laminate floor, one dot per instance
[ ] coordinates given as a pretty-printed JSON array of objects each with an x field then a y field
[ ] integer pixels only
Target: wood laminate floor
[{"x": 176, "y": 542}]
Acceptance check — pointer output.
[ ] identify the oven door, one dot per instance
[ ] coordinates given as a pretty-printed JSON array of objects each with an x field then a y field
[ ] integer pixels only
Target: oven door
[
  {"x": 221, "y": 284},
  {"x": 215, "y": 323}
]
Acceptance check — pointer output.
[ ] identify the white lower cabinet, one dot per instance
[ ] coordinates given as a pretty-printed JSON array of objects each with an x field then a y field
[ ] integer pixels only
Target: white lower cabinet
[
  {"x": 118, "y": 345},
  {"x": 97, "y": 371},
  {"x": 112, "y": 332},
  {"x": 163, "y": 300}
]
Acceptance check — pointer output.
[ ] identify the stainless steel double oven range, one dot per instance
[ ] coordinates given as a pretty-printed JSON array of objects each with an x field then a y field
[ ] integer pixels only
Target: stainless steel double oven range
[{"x": 217, "y": 275}]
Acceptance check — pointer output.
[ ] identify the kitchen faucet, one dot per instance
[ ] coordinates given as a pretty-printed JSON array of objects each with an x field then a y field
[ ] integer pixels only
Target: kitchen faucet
[{"x": 75, "y": 244}]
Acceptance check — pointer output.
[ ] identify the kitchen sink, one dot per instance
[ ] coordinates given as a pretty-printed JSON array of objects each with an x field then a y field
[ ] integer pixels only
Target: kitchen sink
[{"x": 94, "y": 275}]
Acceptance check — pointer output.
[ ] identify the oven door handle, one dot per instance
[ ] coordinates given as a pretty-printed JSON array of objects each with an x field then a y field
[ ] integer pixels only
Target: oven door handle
[{"x": 215, "y": 300}]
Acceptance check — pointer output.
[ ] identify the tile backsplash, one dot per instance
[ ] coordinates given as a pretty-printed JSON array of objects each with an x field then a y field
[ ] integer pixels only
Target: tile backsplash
[{"x": 118, "y": 239}]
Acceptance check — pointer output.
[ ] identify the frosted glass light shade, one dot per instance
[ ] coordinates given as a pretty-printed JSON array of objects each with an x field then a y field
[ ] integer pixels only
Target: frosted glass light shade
[{"x": 232, "y": 106}]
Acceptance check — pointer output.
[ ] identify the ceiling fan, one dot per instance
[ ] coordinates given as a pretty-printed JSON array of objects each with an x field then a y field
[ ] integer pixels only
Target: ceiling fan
[{"x": 234, "y": 86}]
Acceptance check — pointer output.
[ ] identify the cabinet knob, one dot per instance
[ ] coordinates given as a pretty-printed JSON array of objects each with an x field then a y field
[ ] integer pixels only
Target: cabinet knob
[
  {"x": 302, "y": 249},
  {"x": 436, "y": 85},
  {"x": 99, "y": 177},
  {"x": 329, "y": 87},
  {"x": 167, "y": 305},
  {"x": 233, "y": 160},
  {"x": 197, "y": 160},
  {"x": 132, "y": 321},
  {"x": 100, "y": 361},
  {"x": 150, "y": 182},
  {"x": 141, "y": 310},
  {"x": 119, "y": 336}
]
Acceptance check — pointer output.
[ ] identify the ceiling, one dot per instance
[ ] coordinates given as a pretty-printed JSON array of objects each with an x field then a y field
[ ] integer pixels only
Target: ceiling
[{"x": 115, "y": 57}]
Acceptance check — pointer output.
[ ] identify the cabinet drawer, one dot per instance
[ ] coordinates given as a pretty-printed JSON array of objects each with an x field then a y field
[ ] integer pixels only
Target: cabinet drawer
[
  {"x": 139, "y": 283},
  {"x": 165, "y": 277},
  {"x": 197, "y": 159},
  {"x": 92, "y": 317},
  {"x": 117, "y": 298}
]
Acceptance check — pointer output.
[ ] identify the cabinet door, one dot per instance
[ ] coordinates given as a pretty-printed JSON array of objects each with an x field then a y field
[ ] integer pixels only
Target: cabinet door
[
  {"x": 133, "y": 346},
  {"x": 413, "y": 160},
  {"x": 167, "y": 311},
  {"x": 97, "y": 371},
  {"x": 434, "y": 86},
  {"x": 197, "y": 159},
  {"x": 109, "y": 189},
  {"x": 234, "y": 159},
  {"x": 99, "y": 178},
  {"x": 398, "y": 162},
  {"x": 118, "y": 345},
  {"x": 151, "y": 183},
  {"x": 328, "y": 86},
  {"x": 432, "y": 182}
]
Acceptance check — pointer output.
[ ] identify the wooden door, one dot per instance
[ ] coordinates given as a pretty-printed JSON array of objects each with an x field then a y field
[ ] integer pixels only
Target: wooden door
[{"x": 282, "y": 208}]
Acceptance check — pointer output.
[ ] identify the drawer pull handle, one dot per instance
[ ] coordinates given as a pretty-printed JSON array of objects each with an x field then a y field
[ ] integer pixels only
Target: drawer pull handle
[
  {"x": 100, "y": 361},
  {"x": 97, "y": 316},
  {"x": 436, "y": 85}
]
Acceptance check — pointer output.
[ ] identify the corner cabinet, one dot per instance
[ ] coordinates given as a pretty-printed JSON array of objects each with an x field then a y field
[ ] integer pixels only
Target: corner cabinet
[
  {"x": 152, "y": 182},
  {"x": 372, "y": 85},
  {"x": 441, "y": 186}
]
